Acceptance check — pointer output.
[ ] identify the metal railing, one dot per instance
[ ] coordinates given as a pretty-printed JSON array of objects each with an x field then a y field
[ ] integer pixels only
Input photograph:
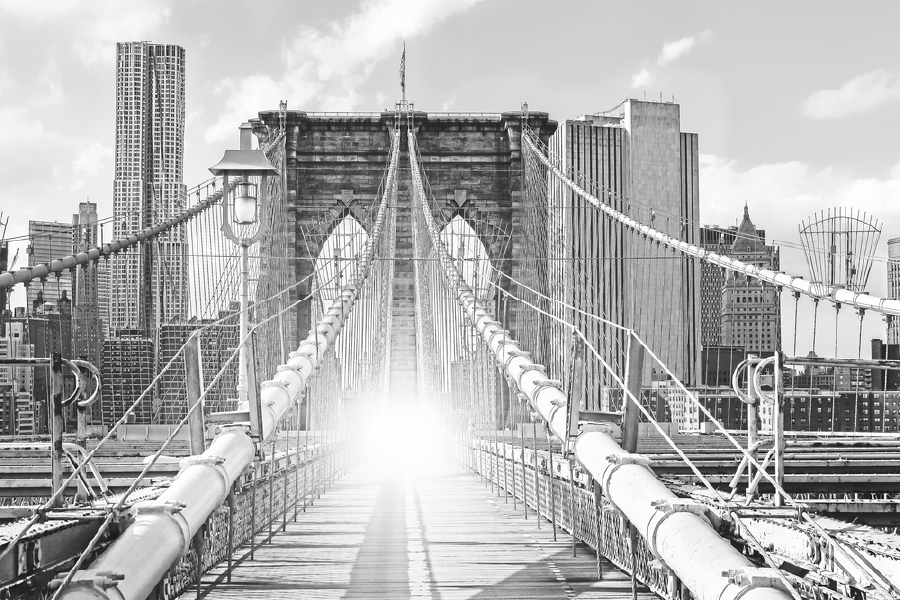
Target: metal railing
[{"x": 569, "y": 498}]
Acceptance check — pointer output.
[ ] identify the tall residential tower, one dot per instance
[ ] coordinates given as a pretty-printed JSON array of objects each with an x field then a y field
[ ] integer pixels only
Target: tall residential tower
[{"x": 148, "y": 285}]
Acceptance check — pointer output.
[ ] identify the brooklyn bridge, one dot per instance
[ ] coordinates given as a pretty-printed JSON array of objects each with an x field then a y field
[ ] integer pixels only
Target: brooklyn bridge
[{"x": 446, "y": 355}]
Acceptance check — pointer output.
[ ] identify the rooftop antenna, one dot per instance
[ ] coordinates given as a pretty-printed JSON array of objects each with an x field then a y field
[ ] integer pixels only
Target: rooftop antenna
[{"x": 403, "y": 73}]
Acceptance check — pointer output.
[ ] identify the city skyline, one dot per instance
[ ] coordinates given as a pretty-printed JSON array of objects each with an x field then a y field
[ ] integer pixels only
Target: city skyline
[{"x": 767, "y": 128}]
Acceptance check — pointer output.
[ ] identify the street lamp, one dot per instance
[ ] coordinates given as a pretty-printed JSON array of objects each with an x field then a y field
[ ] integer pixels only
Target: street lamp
[{"x": 246, "y": 167}]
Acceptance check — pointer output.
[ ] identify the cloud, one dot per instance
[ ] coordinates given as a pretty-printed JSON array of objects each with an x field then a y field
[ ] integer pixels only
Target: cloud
[
  {"x": 327, "y": 66},
  {"x": 17, "y": 128},
  {"x": 51, "y": 83},
  {"x": 641, "y": 78},
  {"x": 678, "y": 48},
  {"x": 8, "y": 85},
  {"x": 671, "y": 51},
  {"x": 861, "y": 94},
  {"x": 91, "y": 157},
  {"x": 449, "y": 102},
  {"x": 98, "y": 23}
]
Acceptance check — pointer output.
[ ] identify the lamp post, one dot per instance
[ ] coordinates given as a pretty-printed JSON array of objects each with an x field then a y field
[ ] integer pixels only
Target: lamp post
[{"x": 243, "y": 207}]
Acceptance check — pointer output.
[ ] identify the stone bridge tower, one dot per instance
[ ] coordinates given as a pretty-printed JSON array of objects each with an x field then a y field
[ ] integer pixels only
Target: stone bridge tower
[{"x": 335, "y": 163}]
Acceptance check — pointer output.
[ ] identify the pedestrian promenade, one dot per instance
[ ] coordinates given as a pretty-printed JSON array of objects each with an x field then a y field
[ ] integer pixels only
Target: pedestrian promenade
[{"x": 390, "y": 531}]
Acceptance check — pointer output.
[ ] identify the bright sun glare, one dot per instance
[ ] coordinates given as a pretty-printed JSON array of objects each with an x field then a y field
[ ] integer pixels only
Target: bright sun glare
[{"x": 404, "y": 439}]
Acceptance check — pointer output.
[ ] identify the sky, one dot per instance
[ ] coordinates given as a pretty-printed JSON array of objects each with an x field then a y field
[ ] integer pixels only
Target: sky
[{"x": 795, "y": 104}]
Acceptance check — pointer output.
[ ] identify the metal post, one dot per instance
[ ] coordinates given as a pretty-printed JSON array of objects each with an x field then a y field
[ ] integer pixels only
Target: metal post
[
  {"x": 496, "y": 441},
  {"x": 634, "y": 370},
  {"x": 552, "y": 493},
  {"x": 253, "y": 511},
  {"x": 272, "y": 487},
  {"x": 598, "y": 504},
  {"x": 56, "y": 425},
  {"x": 231, "y": 506},
  {"x": 81, "y": 412},
  {"x": 306, "y": 494},
  {"x": 537, "y": 483},
  {"x": 505, "y": 475},
  {"x": 245, "y": 295},
  {"x": 81, "y": 431},
  {"x": 752, "y": 417},
  {"x": 513, "y": 446},
  {"x": 296, "y": 463},
  {"x": 632, "y": 543},
  {"x": 199, "y": 548},
  {"x": 778, "y": 426},
  {"x": 524, "y": 484},
  {"x": 192, "y": 376},
  {"x": 572, "y": 505}
]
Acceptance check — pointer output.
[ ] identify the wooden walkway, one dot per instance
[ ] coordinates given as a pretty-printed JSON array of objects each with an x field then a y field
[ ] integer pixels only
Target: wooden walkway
[{"x": 415, "y": 533}]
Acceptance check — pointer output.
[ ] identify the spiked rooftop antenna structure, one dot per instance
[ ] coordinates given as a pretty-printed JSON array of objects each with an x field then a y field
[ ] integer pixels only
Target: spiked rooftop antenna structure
[{"x": 839, "y": 245}]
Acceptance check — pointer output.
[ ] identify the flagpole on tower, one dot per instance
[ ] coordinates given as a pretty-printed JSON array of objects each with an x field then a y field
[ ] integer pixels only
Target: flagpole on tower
[{"x": 403, "y": 73}]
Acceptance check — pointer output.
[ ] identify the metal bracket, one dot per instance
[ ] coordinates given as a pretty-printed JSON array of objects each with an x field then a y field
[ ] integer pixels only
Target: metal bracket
[
  {"x": 526, "y": 368},
  {"x": 668, "y": 505},
  {"x": 273, "y": 383},
  {"x": 276, "y": 384},
  {"x": 239, "y": 427},
  {"x": 107, "y": 579},
  {"x": 211, "y": 461},
  {"x": 232, "y": 416},
  {"x": 750, "y": 578},
  {"x": 600, "y": 416},
  {"x": 540, "y": 386},
  {"x": 629, "y": 459},
  {"x": 303, "y": 353},
  {"x": 659, "y": 565},
  {"x": 617, "y": 461},
  {"x": 152, "y": 508},
  {"x": 508, "y": 341}
]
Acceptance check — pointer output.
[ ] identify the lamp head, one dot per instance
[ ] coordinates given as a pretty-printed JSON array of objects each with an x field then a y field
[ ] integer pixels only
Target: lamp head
[{"x": 244, "y": 163}]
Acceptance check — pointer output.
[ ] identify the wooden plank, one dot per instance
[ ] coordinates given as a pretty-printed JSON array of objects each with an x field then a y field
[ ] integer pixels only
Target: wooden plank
[{"x": 424, "y": 533}]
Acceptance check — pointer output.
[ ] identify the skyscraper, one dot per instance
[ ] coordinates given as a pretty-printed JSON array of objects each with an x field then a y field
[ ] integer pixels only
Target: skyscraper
[
  {"x": 148, "y": 285},
  {"x": 649, "y": 169},
  {"x": 86, "y": 326},
  {"x": 738, "y": 311},
  {"x": 893, "y": 278},
  {"x": 49, "y": 241}
]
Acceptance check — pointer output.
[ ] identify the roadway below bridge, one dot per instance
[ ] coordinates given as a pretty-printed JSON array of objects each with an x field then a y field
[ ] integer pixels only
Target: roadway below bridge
[{"x": 400, "y": 527}]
